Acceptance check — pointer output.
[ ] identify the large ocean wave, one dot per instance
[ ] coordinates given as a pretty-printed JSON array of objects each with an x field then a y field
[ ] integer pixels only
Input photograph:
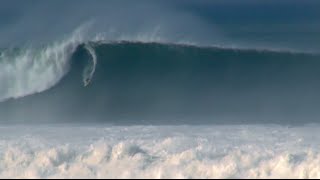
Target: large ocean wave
[{"x": 80, "y": 78}]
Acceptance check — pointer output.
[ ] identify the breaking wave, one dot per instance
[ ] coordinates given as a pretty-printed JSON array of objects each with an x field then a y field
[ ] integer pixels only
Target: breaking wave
[
  {"x": 34, "y": 70},
  {"x": 100, "y": 79},
  {"x": 27, "y": 71}
]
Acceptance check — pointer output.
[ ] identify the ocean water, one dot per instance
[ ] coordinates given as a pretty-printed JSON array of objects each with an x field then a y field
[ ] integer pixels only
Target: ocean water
[{"x": 159, "y": 89}]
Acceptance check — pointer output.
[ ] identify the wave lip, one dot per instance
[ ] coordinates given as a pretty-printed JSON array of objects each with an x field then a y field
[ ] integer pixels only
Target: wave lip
[{"x": 30, "y": 70}]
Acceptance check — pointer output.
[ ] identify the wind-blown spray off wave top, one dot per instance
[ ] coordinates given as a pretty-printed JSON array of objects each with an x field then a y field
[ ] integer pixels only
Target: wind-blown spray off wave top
[{"x": 101, "y": 80}]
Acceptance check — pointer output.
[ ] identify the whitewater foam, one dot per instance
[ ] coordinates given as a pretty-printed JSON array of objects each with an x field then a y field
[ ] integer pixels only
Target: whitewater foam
[{"x": 159, "y": 152}]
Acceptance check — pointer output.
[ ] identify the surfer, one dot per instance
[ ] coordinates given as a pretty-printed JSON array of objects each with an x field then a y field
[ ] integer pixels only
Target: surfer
[{"x": 89, "y": 71}]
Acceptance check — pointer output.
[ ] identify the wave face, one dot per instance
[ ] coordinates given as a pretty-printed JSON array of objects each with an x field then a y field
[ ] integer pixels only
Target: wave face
[{"x": 135, "y": 82}]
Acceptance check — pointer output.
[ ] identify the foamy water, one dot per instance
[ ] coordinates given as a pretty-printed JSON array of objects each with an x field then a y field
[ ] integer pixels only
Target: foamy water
[{"x": 159, "y": 152}]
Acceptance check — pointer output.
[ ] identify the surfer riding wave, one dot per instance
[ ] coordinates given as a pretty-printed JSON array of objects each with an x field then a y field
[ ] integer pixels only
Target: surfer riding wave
[{"x": 91, "y": 68}]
